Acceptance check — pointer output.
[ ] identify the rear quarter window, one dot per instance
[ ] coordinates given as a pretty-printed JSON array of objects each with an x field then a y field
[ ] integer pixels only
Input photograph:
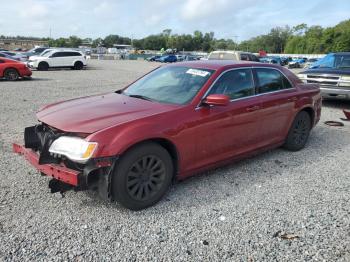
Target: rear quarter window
[{"x": 74, "y": 54}]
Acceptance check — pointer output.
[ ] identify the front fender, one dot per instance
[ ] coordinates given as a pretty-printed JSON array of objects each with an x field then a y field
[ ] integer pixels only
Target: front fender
[{"x": 116, "y": 140}]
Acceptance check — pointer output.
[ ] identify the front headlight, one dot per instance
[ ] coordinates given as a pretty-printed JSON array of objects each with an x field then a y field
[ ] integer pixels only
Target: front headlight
[
  {"x": 74, "y": 148},
  {"x": 344, "y": 81},
  {"x": 345, "y": 78},
  {"x": 302, "y": 76}
]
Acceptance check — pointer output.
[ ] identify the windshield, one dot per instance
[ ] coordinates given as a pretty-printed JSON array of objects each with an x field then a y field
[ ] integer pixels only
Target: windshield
[
  {"x": 326, "y": 62},
  {"x": 47, "y": 54},
  {"x": 173, "y": 84}
]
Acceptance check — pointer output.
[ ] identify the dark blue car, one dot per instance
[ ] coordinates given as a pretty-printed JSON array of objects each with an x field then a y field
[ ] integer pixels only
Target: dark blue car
[{"x": 167, "y": 59}]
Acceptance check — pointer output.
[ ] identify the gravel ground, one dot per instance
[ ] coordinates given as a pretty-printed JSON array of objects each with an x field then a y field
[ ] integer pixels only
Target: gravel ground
[{"x": 276, "y": 206}]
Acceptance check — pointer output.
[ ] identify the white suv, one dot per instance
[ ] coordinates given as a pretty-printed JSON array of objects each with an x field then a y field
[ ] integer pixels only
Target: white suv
[{"x": 59, "y": 58}]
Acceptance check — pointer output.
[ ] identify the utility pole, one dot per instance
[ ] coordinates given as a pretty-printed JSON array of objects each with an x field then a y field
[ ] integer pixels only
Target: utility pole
[
  {"x": 236, "y": 44},
  {"x": 50, "y": 32}
]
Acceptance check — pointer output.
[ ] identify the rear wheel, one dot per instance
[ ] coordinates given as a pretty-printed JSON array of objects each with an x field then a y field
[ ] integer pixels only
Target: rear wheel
[
  {"x": 43, "y": 66},
  {"x": 299, "y": 132},
  {"x": 142, "y": 176},
  {"x": 11, "y": 74},
  {"x": 78, "y": 65}
]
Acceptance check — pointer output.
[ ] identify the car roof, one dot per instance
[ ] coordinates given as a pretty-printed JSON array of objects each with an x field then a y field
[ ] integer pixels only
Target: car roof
[
  {"x": 229, "y": 52},
  {"x": 341, "y": 53},
  {"x": 218, "y": 64},
  {"x": 63, "y": 50}
]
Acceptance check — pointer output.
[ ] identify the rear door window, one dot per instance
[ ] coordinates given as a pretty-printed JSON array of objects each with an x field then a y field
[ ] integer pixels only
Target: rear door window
[
  {"x": 57, "y": 54},
  {"x": 271, "y": 80}
]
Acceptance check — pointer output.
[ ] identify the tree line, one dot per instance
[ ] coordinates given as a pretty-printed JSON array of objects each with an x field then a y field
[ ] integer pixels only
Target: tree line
[{"x": 300, "y": 39}]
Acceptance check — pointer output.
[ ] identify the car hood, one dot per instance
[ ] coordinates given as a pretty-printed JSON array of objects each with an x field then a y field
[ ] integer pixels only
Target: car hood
[
  {"x": 33, "y": 57},
  {"x": 93, "y": 113},
  {"x": 326, "y": 71}
]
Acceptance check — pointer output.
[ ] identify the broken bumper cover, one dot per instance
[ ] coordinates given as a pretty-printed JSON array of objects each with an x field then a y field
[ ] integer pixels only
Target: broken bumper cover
[
  {"x": 56, "y": 171},
  {"x": 97, "y": 173}
]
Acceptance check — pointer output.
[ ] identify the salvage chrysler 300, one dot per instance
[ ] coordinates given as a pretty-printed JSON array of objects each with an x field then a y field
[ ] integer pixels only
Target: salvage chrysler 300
[{"x": 173, "y": 122}]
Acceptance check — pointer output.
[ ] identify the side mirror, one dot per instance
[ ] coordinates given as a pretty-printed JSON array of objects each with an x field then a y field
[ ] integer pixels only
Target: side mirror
[{"x": 217, "y": 100}]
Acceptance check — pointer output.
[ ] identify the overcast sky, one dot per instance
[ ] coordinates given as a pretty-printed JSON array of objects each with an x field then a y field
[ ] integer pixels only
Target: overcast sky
[{"x": 136, "y": 18}]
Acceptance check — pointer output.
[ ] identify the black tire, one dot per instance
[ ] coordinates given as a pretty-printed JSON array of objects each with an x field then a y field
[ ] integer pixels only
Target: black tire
[
  {"x": 142, "y": 176},
  {"x": 11, "y": 74},
  {"x": 78, "y": 65},
  {"x": 299, "y": 132},
  {"x": 43, "y": 66}
]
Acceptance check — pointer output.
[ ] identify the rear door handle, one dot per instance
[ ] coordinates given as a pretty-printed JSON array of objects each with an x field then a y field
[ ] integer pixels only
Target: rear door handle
[
  {"x": 293, "y": 99},
  {"x": 253, "y": 108}
]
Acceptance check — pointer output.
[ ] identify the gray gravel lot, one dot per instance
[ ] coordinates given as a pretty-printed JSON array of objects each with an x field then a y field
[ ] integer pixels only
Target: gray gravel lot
[{"x": 241, "y": 212}]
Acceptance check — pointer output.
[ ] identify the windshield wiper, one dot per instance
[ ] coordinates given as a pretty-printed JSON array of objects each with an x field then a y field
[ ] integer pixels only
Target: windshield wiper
[{"x": 141, "y": 97}]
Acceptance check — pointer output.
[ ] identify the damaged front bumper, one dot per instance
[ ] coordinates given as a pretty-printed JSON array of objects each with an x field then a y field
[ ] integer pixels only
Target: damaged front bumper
[
  {"x": 95, "y": 174},
  {"x": 59, "y": 172}
]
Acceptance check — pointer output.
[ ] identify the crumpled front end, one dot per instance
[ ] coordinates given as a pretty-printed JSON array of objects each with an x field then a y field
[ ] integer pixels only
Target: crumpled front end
[{"x": 65, "y": 173}]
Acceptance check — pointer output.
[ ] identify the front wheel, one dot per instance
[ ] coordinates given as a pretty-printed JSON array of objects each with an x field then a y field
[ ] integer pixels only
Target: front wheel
[
  {"x": 299, "y": 132},
  {"x": 11, "y": 74},
  {"x": 78, "y": 65},
  {"x": 43, "y": 66},
  {"x": 142, "y": 176}
]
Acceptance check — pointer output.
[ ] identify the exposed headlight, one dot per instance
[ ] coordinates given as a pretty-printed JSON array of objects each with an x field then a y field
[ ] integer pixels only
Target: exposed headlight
[
  {"x": 345, "y": 78},
  {"x": 344, "y": 81},
  {"x": 302, "y": 76},
  {"x": 75, "y": 148}
]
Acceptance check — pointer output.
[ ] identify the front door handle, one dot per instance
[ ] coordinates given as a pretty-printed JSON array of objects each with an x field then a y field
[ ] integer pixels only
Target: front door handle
[
  {"x": 292, "y": 99},
  {"x": 253, "y": 108}
]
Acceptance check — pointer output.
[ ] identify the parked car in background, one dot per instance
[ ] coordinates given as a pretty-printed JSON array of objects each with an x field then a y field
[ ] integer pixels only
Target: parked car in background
[
  {"x": 332, "y": 73},
  {"x": 5, "y": 55},
  {"x": 167, "y": 59},
  {"x": 34, "y": 57},
  {"x": 59, "y": 59},
  {"x": 297, "y": 63},
  {"x": 35, "y": 51},
  {"x": 271, "y": 60},
  {"x": 180, "y": 58},
  {"x": 171, "y": 123},
  {"x": 2, "y": 49},
  {"x": 233, "y": 55},
  {"x": 15, "y": 56},
  {"x": 190, "y": 58},
  {"x": 310, "y": 62},
  {"x": 12, "y": 70},
  {"x": 153, "y": 58},
  {"x": 284, "y": 61}
]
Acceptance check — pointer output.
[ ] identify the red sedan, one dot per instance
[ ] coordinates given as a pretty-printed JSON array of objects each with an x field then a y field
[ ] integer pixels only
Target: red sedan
[
  {"x": 173, "y": 122},
  {"x": 12, "y": 70}
]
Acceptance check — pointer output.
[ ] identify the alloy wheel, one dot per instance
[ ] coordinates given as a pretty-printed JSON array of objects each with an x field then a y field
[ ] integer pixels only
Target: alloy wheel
[
  {"x": 145, "y": 177},
  {"x": 300, "y": 132}
]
